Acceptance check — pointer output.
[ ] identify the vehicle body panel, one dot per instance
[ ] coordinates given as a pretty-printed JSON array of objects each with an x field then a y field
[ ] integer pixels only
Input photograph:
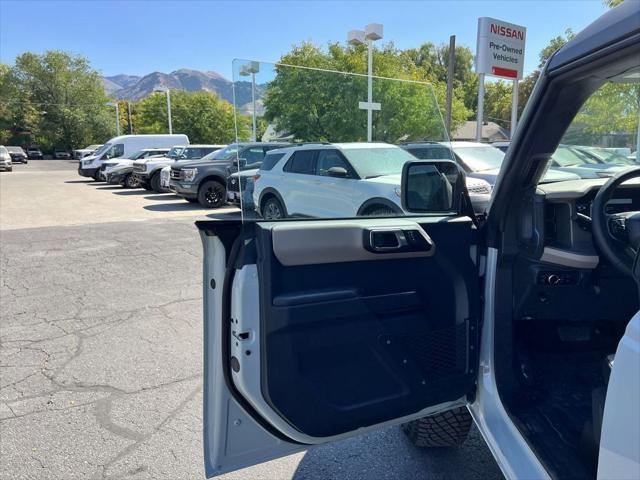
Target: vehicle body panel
[
  {"x": 125, "y": 145},
  {"x": 620, "y": 439}
]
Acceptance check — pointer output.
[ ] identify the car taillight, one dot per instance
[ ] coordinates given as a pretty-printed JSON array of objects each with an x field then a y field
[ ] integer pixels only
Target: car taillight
[{"x": 256, "y": 177}]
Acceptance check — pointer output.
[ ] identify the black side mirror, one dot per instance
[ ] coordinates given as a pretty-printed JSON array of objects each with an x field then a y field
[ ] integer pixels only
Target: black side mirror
[
  {"x": 338, "y": 172},
  {"x": 432, "y": 186},
  {"x": 239, "y": 162}
]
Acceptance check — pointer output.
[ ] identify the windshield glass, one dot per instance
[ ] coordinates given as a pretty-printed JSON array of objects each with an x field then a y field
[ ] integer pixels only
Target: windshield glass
[
  {"x": 223, "y": 154},
  {"x": 136, "y": 155},
  {"x": 479, "y": 158},
  {"x": 608, "y": 156},
  {"x": 570, "y": 157},
  {"x": 15, "y": 149},
  {"x": 102, "y": 149},
  {"x": 375, "y": 162},
  {"x": 175, "y": 152},
  {"x": 194, "y": 153}
]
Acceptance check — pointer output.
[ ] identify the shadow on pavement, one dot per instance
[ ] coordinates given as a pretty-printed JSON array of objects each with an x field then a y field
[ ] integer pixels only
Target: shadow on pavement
[
  {"x": 80, "y": 181},
  {"x": 387, "y": 454},
  {"x": 167, "y": 196},
  {"x": 130, "y": 192},
  {"x": 109, "y": 187},
  {"x": 225, "y": 215},
  {"x": 172, "y": 207}
]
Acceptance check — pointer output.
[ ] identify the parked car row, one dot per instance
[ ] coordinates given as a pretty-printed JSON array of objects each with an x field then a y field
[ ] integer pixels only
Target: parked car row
[
  {"x": 275, "y": 180},
  {"x": 11, "y": 155}
]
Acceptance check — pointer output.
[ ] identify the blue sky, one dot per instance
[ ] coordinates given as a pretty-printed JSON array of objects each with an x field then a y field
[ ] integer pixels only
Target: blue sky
[{"x": 139, "y": 37}]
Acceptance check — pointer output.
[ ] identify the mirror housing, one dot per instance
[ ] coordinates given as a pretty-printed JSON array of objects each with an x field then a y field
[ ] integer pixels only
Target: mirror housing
[
  {"x": 338, "y": 172},
  {"x": 432, "y": 186},
  {"x": 239, "y": 162}
]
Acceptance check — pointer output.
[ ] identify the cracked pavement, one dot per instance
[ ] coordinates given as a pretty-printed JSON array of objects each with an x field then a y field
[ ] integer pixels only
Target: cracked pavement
[{"x": 101, "y": 358}]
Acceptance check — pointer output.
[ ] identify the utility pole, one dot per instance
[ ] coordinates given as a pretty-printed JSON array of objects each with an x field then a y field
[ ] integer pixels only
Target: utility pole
[
  {"x": 450, "y": 72},
  {"x": 129, "y": 113},
  {"x": 115, "y": 104}
]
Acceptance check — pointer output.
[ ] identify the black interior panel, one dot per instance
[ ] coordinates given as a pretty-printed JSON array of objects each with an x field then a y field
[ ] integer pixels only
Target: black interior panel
[{"x": 352, "y": 344}]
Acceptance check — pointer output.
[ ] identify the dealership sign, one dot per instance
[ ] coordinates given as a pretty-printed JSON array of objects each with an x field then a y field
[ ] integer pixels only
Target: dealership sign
[{"x": 500, "y": 48}]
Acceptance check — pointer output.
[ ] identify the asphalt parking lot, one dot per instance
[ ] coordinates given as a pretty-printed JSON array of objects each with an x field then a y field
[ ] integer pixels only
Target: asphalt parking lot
[{"x": 101, "y": 345}]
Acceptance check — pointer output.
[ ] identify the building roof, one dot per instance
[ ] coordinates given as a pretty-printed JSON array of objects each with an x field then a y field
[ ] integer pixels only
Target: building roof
[{"x": 491, "y": 132}]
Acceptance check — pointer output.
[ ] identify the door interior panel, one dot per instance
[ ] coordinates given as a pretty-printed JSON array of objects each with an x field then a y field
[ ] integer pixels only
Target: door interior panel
[{"x": 355, "y": 343}]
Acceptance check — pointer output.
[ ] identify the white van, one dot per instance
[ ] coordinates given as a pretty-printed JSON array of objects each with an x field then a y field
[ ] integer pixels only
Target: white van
[{"x": 124, "y": 146}]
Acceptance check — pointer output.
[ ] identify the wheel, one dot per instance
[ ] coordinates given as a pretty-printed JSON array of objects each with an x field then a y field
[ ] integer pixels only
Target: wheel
[
  {"x": 446, "y": 429},
  {"x": 10, "y": 169},
  {"x": 96, "y": 176},
  {"x": 379, "y": 211},
  {"x": 155, "y": 183},
  {"x": 272, "y": 209},
  {"x": 130, "y": 181},
  {"x": 212, "y": 194}
]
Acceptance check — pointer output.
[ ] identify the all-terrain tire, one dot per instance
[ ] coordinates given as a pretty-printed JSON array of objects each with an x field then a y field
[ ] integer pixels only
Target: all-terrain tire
[
  {"x": 155, "y": 182},
  {"x": 130, "y": 182},
  {"x": 446, "y": 429}
]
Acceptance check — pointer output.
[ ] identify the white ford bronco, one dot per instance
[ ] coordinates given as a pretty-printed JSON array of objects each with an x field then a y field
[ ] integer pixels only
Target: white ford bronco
[{"x": 523, "y": 322}]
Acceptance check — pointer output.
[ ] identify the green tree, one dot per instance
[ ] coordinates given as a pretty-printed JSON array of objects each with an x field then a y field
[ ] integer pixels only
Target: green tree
[
  {"x": 612, "y": 109},
  {"x": 58, "y": 98},
  {"x": 202, "y": 116},
  {"x": 497, "y": 99},
  {"x": 613, "y": 3},
  {"x": 316, "y": 105},
  {"x": 434, "y": 61}
]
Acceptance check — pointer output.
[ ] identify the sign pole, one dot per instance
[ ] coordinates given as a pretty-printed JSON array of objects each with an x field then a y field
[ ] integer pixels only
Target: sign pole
[
  {"x": 514, "y": 108},
  {"x": 450, "y": 73},
  {"x": 480, "y": 108}
]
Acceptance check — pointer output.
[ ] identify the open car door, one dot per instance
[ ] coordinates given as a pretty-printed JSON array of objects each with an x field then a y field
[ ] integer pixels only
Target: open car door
[
  {"x": 311, "y": 337},
  {"x": 316, "y": 330}
]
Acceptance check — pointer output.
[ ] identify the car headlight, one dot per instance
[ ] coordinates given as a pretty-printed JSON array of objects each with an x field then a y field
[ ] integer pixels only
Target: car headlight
[
  {"x": 398, "y": 192},
  {"x": 189, "y": 173}
]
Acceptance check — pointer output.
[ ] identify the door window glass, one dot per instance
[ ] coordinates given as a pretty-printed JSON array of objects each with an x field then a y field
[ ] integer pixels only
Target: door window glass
[
  {"x": 332, "y": 125},
  {"x": 253, "y": 156},
  {"x": 270, "y": 160},
  {"x": 602, "y": 139},
  {"x": 301, "y": 162},
  {"x": 329, "y": 159}
]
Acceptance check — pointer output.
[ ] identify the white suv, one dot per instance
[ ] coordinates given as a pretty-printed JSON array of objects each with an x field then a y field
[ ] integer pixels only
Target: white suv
[{"x": 339, "y": 180}]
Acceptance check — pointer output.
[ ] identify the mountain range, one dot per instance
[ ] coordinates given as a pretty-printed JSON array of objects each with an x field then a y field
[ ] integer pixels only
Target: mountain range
[{"x": 133, "y": 87}]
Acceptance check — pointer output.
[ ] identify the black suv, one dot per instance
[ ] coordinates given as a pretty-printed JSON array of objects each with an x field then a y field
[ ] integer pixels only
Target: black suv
[{"x": 206, "y": 182}]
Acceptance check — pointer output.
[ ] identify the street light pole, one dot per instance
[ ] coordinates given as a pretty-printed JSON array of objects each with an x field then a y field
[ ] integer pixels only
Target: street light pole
[
  {"x": 129, "y": 116},
  {"x": 372, "y": 32},
  {"x": 168, "y": 94},
  {"x": 252, "y": 68},
  {"x": 169, "y": 111},
  {"x": 115, "y": 104},
  {"x": 369, "y": 88}
]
